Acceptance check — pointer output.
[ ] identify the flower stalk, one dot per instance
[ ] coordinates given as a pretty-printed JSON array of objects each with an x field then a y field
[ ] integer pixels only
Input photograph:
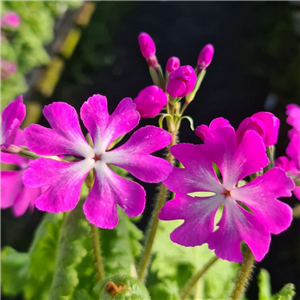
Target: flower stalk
[
  {"x": 97, "y": 252},
  {"x": 243, "y": 276},
  {"x": 194, "y": 279},
  {"x": 153, "y": 224}
]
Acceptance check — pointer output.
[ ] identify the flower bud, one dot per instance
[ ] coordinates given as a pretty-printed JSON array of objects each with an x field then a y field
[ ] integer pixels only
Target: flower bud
[
  {"x": 173, "y": 64},
  {"x": 10, "y": 19},
  {"x": 264, "y": 123},
  {"x": 147, "y": 45},
  {"x": 181, "y": 81},
  {"x": 150, "y": 101},
  {"x": 205, "y": 57}
]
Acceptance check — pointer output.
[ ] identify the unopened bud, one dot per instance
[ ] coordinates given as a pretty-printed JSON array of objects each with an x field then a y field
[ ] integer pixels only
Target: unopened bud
[
  {"x": 173, "y": 64},
  {"x": 205, "y": 57},
  {"x": 181, "y": 81},
  {"x": 147, "y": 45}
]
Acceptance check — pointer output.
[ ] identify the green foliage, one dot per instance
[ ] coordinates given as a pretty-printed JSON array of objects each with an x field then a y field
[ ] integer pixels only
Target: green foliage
[
  {"x": 264, "y": 287},
  {"x": 12, "y": 270},
  {"x": 173, "y": 265},
  {"x": 25, "y": 45},
  {"x": 32, "y": 272},
  {"x": 73, "y": 247},
  {"x": 121, "y": 246}
]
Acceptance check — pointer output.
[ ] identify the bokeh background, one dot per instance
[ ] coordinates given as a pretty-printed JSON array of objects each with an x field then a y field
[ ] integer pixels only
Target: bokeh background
[{"x": 68, "y": 51}]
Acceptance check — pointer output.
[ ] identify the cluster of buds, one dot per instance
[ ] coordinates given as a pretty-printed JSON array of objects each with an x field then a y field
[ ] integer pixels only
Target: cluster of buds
[{"x": 178, "y": 82}]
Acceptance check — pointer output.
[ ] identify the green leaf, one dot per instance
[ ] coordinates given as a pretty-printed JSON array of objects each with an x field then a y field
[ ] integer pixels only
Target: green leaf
[
  {"x": 264, "y": 286},
  {"x": 286, "y": 293},
  {"x": 13, "y": 265},
  {"x": 42, "y": 255},
  {"x": 121, "y": 246},
  {"x": 74, "y": 236},
  {"x": 175, "y": 263}
]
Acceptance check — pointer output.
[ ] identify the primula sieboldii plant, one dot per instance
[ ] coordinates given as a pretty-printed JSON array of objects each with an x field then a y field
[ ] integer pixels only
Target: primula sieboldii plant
[{"x": 227, "y": 191}]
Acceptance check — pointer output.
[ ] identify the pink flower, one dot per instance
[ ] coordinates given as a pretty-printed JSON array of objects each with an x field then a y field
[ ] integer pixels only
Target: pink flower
[
  {"x": 173, "y": 64},
  {"x": 253, "y": 225},
  {"x": 147, "y": 45},
  {"x": 293, "y": 149},
  {"x": 7, "y": 68},
  {"x": 11, "y": 119},
  {"x": 293, "y": 118},
  {"x": 205, "y": 57},
  {"x": 203, "y": 130},
  {"x": 264, "y": 123},
  {"x": 13, "y": 192},
  {"x": 150, "y": 101},
  {"x": 10, "y": 19},
  {"x": 181, "y": 81},
  {"x": 289, "y": 166},
  {"x": 109, "y": 190}
]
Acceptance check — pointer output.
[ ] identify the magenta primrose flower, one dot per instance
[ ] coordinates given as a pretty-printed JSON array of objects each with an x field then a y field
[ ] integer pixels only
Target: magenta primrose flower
[
  {"x": 253, "y": 225},
  {"x": 293, "y": 118},
  {"x": 150, "y": 101},
  {"x": 205, "y": 57},
  {"x": 7, "y": 68},
  {"x": 173, "y": 64},
  {"x": 109, "y": 190},
  {"x": 11, "y": 119},
  {"x": 264, "y": 123},
  {"x": 10, "y": 19},
  {"x": 181, "y": 81},
  {"x": 289, "y": 166},
  {"x": 13, "y": 192}
]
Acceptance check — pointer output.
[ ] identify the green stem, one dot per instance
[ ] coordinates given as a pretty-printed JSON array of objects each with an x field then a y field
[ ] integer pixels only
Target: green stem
[
  {"x": 296, "y": 211},
  {"x": 191, "y": 283},
  {"x": 243, "y": 276},
  {"x": 97, "y": 252},
  {"x": 153, "y": 224}
]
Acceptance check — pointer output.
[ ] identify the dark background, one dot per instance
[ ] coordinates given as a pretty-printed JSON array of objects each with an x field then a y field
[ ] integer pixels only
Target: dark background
[{"x": 256, "y": 55}]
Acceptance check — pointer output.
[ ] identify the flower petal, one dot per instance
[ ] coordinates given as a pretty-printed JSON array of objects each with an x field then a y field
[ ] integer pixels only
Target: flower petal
[
  {"x": 65, "y": 137},
  {"x": 14, "y": 159},
  {"x": 293, "y": 149},
  {"x": 109, "y": 190},
  {"x": 64, "y": 179},
  {"x": 11, "y": 119},
  {"x": 238, "y": 225},
  {"x": 25, "y": 200},
  {"x": 134, "y": 156},
  {"x": 11, "y": 186},
  {"x": 198, "y": 174},
  {"x": 105, "y": 128},
  {"x": 261, "y": 194},
  {"x": 235, "y": 162},
  {"x": 198, "y": 213}
]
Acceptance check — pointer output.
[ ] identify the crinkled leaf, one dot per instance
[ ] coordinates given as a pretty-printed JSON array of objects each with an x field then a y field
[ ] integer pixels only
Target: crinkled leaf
[
  {"x": 286, "y": 293},
  {"x": 71, "y": 251},
  {"x": 13, "y": 265},
  {"x": 121, "y": 246}
]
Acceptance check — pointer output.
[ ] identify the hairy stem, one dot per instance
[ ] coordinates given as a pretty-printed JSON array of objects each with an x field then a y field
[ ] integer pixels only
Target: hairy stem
[
  {"x": 243, "y": 276},
  {"x": 191, "y": 283},
  {"x": 97, "y": 252},
  {"x": 153, "y": 224}
]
